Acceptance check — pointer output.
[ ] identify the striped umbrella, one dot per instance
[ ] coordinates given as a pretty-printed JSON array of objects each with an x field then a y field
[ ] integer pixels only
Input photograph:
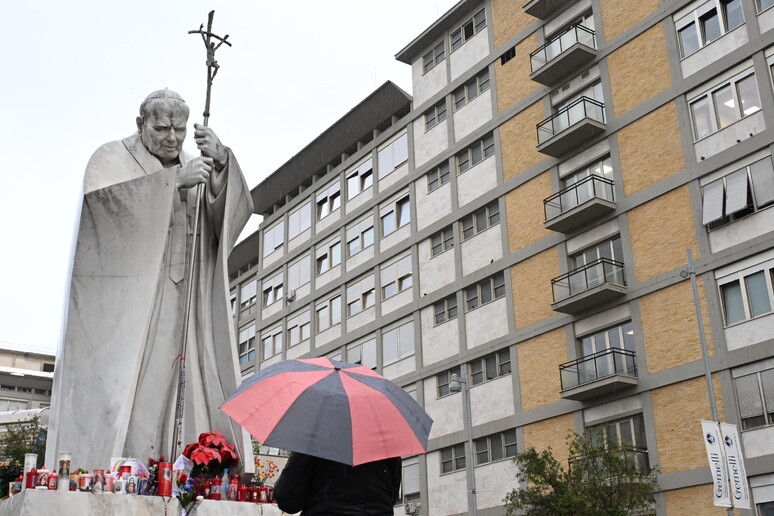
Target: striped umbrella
[{"x": 330, "y": 409}]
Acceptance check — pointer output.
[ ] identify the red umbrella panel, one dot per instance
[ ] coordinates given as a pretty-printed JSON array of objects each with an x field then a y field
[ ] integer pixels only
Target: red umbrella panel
[{"x": 330, "y": 409}]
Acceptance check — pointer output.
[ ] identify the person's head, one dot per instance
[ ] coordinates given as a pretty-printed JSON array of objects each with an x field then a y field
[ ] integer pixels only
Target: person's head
[{"x": 162, "y": 124}]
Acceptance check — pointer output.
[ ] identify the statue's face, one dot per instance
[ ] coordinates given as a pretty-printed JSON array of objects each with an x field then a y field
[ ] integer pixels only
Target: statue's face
[{"x": 163, "y": 131}]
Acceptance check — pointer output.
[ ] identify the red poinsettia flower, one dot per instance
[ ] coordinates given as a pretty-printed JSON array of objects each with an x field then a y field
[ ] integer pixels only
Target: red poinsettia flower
[
  {"x": 204, "y": 454},
  {"x": 190, "y": 447},
  {"x": 230, "y": 456},
  {"x": 212, "y": 438}
]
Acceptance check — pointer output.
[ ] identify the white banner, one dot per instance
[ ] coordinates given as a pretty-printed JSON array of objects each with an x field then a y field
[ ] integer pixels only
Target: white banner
[
  {"x": 740, "y": 490},
  {"x": 713, "y": 442}
]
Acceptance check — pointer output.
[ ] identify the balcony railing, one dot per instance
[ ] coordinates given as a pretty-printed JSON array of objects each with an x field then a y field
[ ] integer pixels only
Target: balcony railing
[
  {"x": 577, "y": 111},
  {"x": 558, "y": 45},
  {"x": 593, "y": 274},
  {"x": 606, "y": 363},
  {"x": 637, "y": 456},
  {"x": 591, "y": 187}
]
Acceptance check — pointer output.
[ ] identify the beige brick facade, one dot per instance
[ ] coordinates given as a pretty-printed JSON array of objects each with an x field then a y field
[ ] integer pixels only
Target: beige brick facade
[
  {"x": 639, "y": 70},
  {"x": 539, "y": 359},
  {"x": 677, "y": 412},
  {"x": 669, "y": 327},
  {"x": 650, "y": 149},
  {"x": 513, "y": 82},
  {"x": 551, "y": 433},
  {"x": 661, "y": 231},
  {"x": 618, "y": 15},
  {"x": 524, "y": 212},
  {"x": 508, "y": 20},
  {"x": 518, "y": 139},
  {"x": 531, "y": 280},
  {"x": 696, "y": 500}
]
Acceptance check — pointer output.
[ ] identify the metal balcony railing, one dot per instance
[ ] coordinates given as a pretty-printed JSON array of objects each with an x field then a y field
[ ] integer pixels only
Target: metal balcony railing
[
  {"x": 556, "y": 46},
  {"x": 609, "y": 362},
  {"x": 576, "y": 111},
  {"x": 591, "y": 187},
  {"x": 598, "y": 272}
]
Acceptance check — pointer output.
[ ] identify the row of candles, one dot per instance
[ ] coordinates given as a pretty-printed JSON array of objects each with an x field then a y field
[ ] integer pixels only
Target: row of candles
[{"x": 126, "y": 481}]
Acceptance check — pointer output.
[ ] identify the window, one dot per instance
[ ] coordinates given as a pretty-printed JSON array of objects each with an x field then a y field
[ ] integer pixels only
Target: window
[
  {"x": 490, "y": 367},
  {"x": 703, "y": 26},
  {"x": 468, "y": 29},
  {"x": 233, "y": 298},
  {"x": 435, "y": 115},
  {"x": 433, "y": 57},
  {"x": 363, "y": 353},
  {"x": 594, "y": 267},
  {"x": 471, "y": 89},
  {"x": 453, "y": 458},
  {"x": 272, "y": 290},
  {"x": 396, "y": 277},
  {"x": 738, "y": 194},
  {"x": 360, "y": 179},
  {"x": 360, "y": 236},
  {"x": 9, "y": 405},
  {"x": 273, "y": 238},
  {"x": 409, "y": 486},
  {"x": 755, "y": 396},
  {"x": 629, "y": 431},
  {"x": 507, "y": 55},
  {"x": 485, "y": 291},
  {"x": 328, "y": 256},
  {"x": 300, "y": 272},
  {"x": 395, "y": 215},
  {"x": 444, "y": 379},
  {"x": 495, "y": 447},
  {"x": 398, "y": 343},
  {"x": 475, "y": 154},
  {"x": 272, "y": 342},
  {"x": 438, "y": 176},
  {"x": 328, "y": 313},
  {"x": 328, "y": 200},
  {"x": 725, "y": 104},
  {"x": 246, "y": 344},
  {"x": 747, "y": 294},
  {"x": 442, "y": 241},
  {"x": 393, "y": 155},
  {"x": 248, "y": 293},
  {"x": 300, "y": 220},
  {"x": 480, "y": 220},
  {"x": 360, "y": 295},
  {"x": 299, "y": 329},
  {"x": 764, "y": 4},
  {"x": 445, "y": 309}
]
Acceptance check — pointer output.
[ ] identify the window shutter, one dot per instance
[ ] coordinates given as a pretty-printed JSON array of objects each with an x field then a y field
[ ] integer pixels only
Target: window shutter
[
  {"x": 713, "y": 202},
  {"x": 736, "y": 191}
]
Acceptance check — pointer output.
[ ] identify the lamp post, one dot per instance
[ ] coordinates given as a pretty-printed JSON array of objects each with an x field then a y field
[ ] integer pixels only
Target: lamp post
[{"x": 456, "y": 386}]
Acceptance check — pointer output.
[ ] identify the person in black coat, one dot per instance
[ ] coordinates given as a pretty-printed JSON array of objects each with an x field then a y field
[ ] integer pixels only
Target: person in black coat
[{"x": 319, "y": 487}]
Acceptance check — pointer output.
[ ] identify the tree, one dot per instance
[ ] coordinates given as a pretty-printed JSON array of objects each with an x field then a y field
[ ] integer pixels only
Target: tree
[
  {"x": 20, "y": 439},
  {"x": 602, "y": 479}
]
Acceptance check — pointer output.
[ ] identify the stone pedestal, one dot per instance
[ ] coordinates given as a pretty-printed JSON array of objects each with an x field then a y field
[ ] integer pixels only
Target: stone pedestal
[{"x": 63, "y": 503}]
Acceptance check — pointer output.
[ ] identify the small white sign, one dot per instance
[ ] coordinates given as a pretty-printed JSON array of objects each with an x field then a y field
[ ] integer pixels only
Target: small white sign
[
  {"x": 739, "y": 489},
  {"x": 713, "y": 443}
]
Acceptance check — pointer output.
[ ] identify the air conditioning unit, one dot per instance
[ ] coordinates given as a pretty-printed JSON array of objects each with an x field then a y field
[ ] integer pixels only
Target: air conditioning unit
[
  {"x": 412, "y": 508},
  {"x": 290, "y": 296}
]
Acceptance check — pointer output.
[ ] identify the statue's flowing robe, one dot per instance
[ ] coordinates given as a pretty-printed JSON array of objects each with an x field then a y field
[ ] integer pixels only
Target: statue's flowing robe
[{"x": 115, "y": 383}]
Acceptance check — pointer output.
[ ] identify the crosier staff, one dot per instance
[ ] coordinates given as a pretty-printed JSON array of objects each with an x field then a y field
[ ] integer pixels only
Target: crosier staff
[{"x": 212, "y": 42}]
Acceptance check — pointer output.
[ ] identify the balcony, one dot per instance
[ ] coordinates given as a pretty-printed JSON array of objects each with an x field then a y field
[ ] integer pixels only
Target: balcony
[
  {"x": 594, "y": 283},
  {"x": 579, "y": 204},
  {"x": 563, "y": 54},
  {"x": 542, "y": 8},
  {"x": 576, "y": 123},
  {"x": 601, "y": 373}
]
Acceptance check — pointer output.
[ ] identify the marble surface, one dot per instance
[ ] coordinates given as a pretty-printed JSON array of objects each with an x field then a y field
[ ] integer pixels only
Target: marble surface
[{"x": 55, "y": 503}]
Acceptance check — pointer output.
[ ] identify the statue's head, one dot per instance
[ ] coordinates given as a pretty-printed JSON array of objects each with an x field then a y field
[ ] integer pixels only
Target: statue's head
[{"x": 162, "y": 125}]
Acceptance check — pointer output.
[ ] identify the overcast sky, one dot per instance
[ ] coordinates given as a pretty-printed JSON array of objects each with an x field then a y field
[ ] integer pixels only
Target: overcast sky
[{"x": 75, "y": 72}]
